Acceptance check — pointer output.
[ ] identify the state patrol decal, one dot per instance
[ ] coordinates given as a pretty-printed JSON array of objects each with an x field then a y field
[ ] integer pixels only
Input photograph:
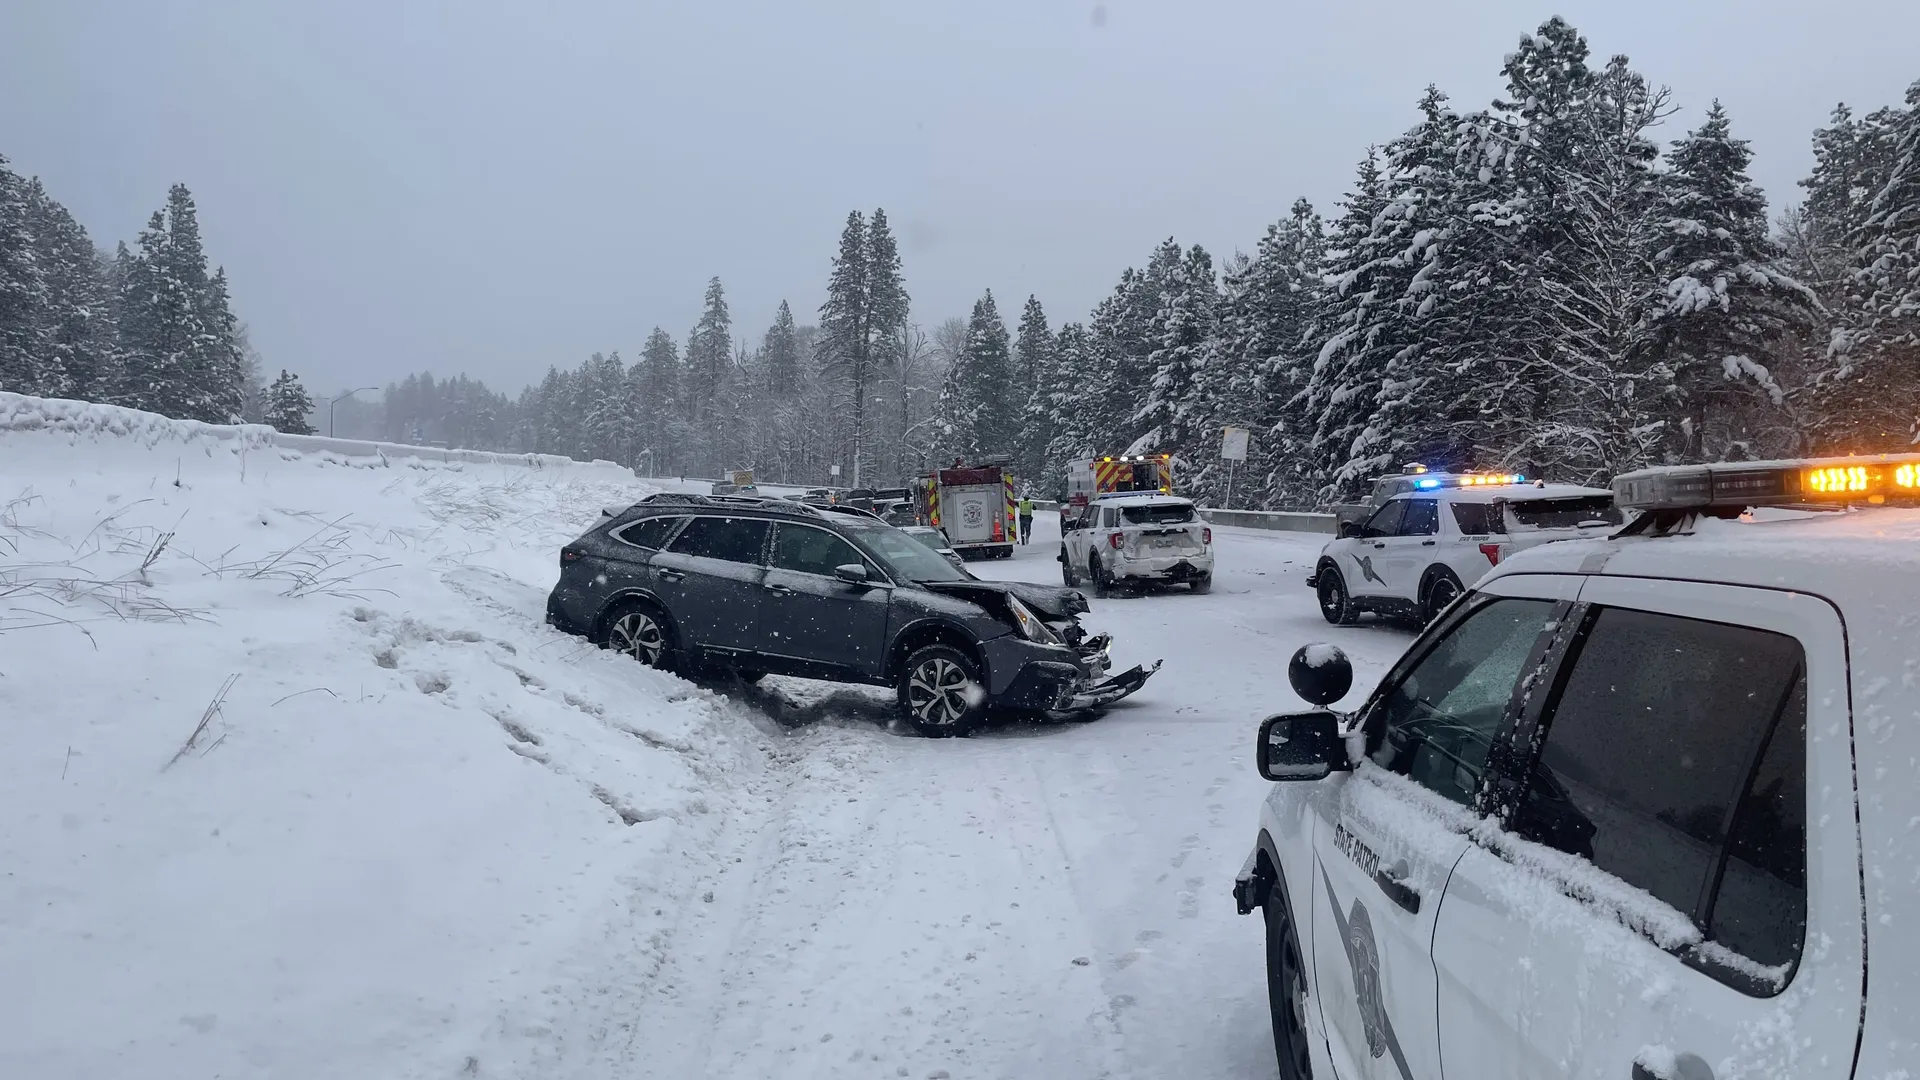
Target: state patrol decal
[{"x": 1363, "y": 957}]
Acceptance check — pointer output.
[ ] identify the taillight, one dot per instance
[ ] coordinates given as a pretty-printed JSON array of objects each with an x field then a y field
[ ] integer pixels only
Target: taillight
[
  {"x": 570, "y": 555},
  {"x": 1492, "y": 552},
  {"x": 1116, "y": 540},
  {"x": 1206, "y": 536}
]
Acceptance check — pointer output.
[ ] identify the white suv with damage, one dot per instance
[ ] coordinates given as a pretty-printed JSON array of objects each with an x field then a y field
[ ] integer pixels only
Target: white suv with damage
[
  {"x": 1133, "y": 538},
  {"x": 1636, "y": 808},
  {"x": 1418, "y": 551}
]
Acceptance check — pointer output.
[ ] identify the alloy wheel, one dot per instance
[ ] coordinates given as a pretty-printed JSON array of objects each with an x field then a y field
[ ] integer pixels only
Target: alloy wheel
[
  {"x": 638, "y": 635},
  {"x": 938, "y": 691}
]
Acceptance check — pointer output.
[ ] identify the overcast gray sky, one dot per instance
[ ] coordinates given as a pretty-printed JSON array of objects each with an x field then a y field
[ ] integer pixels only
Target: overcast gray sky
[{"x": 493, "y": 186}]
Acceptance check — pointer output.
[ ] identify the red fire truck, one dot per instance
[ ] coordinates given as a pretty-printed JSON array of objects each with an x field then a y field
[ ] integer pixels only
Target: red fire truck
[{"x": 974, "y": 505}]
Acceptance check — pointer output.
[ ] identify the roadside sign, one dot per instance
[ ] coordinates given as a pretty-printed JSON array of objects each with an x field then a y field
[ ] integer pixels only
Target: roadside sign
[{"x": 1233, "y": 445}]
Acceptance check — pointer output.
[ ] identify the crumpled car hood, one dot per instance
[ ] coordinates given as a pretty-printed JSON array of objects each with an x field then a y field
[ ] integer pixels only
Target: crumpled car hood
[{"x": 1047, "y": 601}]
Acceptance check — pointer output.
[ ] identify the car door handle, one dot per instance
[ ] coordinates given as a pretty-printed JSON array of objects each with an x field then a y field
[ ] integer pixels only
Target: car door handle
[
  {"x": 1393, "y": 881},
  {"x": 779, "y": 590},
  {"x": 1685, "y": 1067},
  {"x": 669, "y": 575}
]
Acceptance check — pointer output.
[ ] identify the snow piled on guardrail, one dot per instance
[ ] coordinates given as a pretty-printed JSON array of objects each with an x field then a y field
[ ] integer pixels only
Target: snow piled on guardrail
[{"x": 296, "y": 780}]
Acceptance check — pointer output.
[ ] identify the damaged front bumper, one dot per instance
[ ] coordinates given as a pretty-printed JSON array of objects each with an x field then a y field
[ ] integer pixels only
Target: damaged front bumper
[{"x": 1046, "y": 681}]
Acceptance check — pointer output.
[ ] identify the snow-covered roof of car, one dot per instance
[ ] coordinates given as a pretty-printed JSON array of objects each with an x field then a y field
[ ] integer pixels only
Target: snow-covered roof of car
[
  {"x": 1142, "y": 498},
  {"x": 1486, "y": 493}
]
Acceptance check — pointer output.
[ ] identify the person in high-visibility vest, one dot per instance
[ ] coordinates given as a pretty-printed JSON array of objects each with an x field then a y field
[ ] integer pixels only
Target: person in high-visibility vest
[{"x": 1026, "y": 517}]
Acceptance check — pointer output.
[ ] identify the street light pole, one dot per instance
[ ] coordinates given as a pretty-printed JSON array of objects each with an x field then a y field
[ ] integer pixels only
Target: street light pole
[{"x": 337, "y": 401}]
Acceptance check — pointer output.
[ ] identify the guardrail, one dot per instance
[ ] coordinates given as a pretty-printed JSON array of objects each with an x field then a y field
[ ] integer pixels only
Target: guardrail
[{"x": 1277, "y": 520}]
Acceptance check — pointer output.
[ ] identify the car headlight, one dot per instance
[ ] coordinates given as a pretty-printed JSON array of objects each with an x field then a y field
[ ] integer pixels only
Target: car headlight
[{"x": 1029, "y": 624}]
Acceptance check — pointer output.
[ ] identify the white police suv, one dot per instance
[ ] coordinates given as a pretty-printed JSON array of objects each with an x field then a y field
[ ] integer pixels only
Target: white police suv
[
  {"x": 1636, "y": 808},
  {"x": 1420, "y": 549}
]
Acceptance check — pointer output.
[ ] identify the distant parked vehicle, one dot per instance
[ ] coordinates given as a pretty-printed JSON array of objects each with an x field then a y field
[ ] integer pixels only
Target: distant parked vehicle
[{"x": 936, "y": 540}]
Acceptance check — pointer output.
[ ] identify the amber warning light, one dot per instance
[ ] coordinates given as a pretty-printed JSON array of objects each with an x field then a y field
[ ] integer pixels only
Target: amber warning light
[{"x": 1733, "y": 485}]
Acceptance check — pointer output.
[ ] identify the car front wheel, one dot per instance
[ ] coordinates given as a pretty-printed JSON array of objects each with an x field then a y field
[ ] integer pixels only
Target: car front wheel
[
  {"x": 941, "y": 692},
  {"x": 1286, "y": 991},
  {"x": 1335, "y": 605}
]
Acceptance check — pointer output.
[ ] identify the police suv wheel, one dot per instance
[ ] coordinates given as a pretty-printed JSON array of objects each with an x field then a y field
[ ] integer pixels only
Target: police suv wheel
[
  {"x": 1443, "y": 590},
  {"x": 1103, "y": 584},
  {"x": 1335, "y": 605},
  {"x": 941, "y": 693},
  {"x": 1286, "y": 991}
]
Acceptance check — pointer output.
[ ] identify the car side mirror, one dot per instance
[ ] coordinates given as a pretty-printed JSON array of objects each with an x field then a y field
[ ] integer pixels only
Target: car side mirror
[
  {"x": 1349, "y": 529},
  {"x": 852, "y": 573},
  {"x": 1320, "y": 674},
  {"x": 1301, "y": 746}
]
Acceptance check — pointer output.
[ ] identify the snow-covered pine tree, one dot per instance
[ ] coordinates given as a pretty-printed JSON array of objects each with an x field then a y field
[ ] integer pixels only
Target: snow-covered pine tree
[
  {"x": 1729, "y": 303},
  {"x": 1343, "y": 387},
  {"x": 1033, "y": 376},
  {"x": 25, "y": 363},
  {"x": 76, "y": 331},
  {"x": 607, "y": 424},
  {"x": 176, "y": 333},
  {"x": 1069, "y": 426},
  {"x": 1176, "y": 415},
  {"x": 657, "y": 379},
  {"x": 1883, "y": 341},
  {"x": 782, "y": 354},
  {"x": 980, "y": 409},
  {"x": 289, "y": 405},
  {"x": 1273, "y": 303}
]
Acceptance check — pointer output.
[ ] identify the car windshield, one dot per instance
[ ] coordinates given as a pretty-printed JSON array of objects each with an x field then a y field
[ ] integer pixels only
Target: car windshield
[
  {"x": 1158, "y": 514},
  {"x": 905, "y": 557}
]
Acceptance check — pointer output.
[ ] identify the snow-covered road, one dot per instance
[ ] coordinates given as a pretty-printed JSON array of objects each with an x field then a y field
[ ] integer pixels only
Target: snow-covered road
[
  {"x": 1036, "y": 901},
  {"x": 295, "y": 782}
]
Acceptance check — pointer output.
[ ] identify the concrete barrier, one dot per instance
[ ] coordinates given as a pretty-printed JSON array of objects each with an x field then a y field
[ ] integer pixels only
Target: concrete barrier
[{"x": 1278, "y": 520}]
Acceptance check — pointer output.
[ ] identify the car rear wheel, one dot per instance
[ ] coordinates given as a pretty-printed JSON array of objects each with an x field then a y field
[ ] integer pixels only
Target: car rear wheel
[
  {"x": 1103, "y": 584},
  {"x": 1286, "y": 991},
  {"x": 1443, "y": 590},
  {"x": 941, "y": 692},
  {"x": 1335, "y": 605},
  {"x": 639, "y": 631}
]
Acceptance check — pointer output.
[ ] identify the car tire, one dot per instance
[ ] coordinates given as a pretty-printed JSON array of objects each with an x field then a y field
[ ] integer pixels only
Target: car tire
[
  {"x": 639, "y": 629},
  {"x": 1441, "y": 591},
  {"x": 941, "y": 692},
  {"x": 1103, "y": 585},
  {"x": 1203, "y": 584},
  {"x": 1286, "y": 990},
  {"x": 1336, "y": 605}
]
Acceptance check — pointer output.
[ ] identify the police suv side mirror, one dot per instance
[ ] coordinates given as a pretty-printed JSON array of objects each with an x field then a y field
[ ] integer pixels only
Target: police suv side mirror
[{"x": 1301, "y": 746}]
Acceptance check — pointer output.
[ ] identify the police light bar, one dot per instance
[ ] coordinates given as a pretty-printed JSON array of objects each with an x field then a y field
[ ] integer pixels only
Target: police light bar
[{"x": 1736, "y": 485}]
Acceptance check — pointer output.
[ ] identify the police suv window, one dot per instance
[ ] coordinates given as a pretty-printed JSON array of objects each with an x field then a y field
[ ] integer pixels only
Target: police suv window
[
  {"x": 1675, "y": 759},
  {"x": 1477, "y": 519},
  {"x": 1422, "y": 518},
  {"x": 649, "y": 532},
  {"x": 1437, "y": 723},
  {"x": 1386, "y": 520},
  {"x": 732, "y": 539}
]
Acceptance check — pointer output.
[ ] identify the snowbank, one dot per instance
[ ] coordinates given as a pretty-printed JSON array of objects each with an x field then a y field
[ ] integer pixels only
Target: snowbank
[{"x": 293, "y": 779}]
